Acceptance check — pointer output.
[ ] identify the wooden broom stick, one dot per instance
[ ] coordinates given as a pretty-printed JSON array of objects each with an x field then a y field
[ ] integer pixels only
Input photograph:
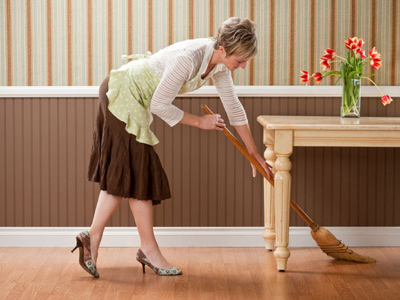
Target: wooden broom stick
[{"x": 324, "y": 238}]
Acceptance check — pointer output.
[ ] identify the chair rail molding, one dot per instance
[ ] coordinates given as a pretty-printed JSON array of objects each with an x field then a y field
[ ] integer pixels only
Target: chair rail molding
[{"x": 205, "y": 91}]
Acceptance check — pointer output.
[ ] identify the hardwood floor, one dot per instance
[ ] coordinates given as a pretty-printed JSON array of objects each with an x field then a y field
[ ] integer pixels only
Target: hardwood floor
[{"x": 209, "y": 273}]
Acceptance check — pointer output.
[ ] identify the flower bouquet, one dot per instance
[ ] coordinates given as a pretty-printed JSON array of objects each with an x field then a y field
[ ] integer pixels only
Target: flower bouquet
[{"x": 350, "y": 72}]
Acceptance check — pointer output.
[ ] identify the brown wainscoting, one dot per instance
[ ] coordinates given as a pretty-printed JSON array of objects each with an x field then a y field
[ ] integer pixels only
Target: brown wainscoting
[{"x": 45, "y": 145}]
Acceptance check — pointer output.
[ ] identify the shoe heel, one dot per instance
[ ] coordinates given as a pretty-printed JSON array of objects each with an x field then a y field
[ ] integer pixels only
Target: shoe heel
[
  {"x": 78, "y": 244},
  {"x": 143, "y": 269}
]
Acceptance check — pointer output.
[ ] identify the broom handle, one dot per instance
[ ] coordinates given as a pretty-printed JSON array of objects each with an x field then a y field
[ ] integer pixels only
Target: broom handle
[{"x": 260, "y": 169}]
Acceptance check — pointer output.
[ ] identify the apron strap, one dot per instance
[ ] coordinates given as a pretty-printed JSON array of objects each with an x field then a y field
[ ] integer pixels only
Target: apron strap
[{"x": 136, "y": 56}]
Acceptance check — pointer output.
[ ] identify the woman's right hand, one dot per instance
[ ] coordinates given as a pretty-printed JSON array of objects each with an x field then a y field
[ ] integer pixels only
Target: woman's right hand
[{"x": 212, "y": 122}]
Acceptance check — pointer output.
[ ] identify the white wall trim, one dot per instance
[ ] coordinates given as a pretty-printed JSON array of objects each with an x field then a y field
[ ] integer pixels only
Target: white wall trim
[
  {"x": 205, "y": 91},
  {"x": 195, "y": 236}
]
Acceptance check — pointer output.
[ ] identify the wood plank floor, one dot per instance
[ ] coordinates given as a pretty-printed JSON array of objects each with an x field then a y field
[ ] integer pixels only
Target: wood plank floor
[{"x": 209, "y": 273}]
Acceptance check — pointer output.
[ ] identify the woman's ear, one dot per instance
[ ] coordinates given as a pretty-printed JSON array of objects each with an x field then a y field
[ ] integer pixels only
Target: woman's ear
[{"x": 221, "y": 50}]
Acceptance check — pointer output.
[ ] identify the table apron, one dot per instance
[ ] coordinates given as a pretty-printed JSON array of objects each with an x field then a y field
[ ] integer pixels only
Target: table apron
[{"x": 346, "y": 138}]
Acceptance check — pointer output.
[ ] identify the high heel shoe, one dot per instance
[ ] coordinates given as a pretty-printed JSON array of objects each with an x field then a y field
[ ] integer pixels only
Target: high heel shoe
[
  {"x": 85, "y": 257},
  {"x": 140, "y": 257}
]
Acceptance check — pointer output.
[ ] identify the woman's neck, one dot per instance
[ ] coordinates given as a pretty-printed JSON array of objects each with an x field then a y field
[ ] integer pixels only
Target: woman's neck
[{"x": 216, "y": 57}]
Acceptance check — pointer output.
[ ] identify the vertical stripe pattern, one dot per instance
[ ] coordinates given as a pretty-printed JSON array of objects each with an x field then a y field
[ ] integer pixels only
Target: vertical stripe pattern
[
  {"x": 49, "y": 35},
  {"x": 29, "y": 52},
  {"x": 74, "y": 42},
  {"x": 271, "y": 44},
  {"x": 89, "y": 43},
  {"x": 43, "y": 163},
  {"x": 9, "y": 44},
  {"x": 69, "y": 20},
  {"x": 109, "y": 42}
]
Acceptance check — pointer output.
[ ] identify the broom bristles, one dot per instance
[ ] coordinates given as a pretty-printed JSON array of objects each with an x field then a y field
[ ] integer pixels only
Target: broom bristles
[{"x": 333, "y": 247}]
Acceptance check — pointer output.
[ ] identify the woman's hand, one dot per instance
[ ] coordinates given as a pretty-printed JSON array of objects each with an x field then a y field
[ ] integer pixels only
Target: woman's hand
[
  {"x": 244, "y": 132},
  {"x": 265, "y": 166},
  {"x": 212, "y": 122}
]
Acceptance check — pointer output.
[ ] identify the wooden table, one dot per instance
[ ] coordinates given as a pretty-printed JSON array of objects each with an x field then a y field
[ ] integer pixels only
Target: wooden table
[{"x": 282, "y": 133}]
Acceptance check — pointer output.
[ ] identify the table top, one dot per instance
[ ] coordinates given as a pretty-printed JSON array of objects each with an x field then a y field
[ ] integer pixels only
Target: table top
[{"x": 328, "y": 123}]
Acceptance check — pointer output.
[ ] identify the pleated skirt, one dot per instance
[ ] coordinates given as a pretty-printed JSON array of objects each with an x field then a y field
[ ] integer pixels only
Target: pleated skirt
[{"x": 121, "y": 165}]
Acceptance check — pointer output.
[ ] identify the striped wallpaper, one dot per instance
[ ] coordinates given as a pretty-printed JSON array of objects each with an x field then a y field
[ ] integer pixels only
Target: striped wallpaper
[
  {"x": 78, "y": 42},
  {"x": 45, "y": 150}
]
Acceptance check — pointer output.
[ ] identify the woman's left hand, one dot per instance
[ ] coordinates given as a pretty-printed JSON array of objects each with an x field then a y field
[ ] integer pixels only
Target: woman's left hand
[{"x": 264, "y": 164}]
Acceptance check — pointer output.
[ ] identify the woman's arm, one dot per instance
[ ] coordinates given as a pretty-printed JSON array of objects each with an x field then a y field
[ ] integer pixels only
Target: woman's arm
[
  {"x": 176, "y": 72},
  {"x": 208, "y": 122},
  {"x": 245, "y": 134},
  {"x": 215, "y": 122},
  {"x": 237, "y": 116}
]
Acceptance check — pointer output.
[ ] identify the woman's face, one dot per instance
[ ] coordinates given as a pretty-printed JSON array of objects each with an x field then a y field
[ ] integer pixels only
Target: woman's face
[{"x": 233, "y": 62}]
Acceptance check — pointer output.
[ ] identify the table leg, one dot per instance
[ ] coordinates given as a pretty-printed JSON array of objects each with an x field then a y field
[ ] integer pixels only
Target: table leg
[
  {"x": 283, "y": 150},
  {"x": 269, "y": 202}
]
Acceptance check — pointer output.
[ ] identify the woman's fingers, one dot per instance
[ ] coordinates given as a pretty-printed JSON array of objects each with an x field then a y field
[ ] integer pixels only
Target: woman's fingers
[
  {"x": 254, "y": 170},
  {"x": 219, "y": 122},
  {"x": 213, "y": 122},
  {"x": 266, "y": 167}
]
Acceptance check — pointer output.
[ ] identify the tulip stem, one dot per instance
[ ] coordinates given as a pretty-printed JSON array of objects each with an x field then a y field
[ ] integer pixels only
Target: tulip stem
[
  {"x": 374, "y": 84},
  {"x": 341, "y": 57}
]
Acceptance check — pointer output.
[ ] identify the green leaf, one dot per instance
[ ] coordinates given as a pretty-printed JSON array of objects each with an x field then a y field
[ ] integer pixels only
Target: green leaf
[
  {"x": 352, "y": 75},
  {"x": 343, "y": 70},
  {"x": 333, "y": 72}
]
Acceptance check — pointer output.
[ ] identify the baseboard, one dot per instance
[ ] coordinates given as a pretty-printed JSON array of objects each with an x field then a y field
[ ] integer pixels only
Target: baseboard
[{"x": 195, "y": 236}]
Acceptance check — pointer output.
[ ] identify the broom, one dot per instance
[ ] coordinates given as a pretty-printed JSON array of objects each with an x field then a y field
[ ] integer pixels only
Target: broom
[{"x": 328, "y": 243}]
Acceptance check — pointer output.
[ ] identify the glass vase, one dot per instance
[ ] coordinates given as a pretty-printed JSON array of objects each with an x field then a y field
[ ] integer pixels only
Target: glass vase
[{"x": 351, "y": 98}]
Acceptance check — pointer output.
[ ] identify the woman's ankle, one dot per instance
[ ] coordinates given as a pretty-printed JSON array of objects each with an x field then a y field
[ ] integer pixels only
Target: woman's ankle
[
  {"x": 150, "y": 249},
  {"x": 95, "y": 235}
]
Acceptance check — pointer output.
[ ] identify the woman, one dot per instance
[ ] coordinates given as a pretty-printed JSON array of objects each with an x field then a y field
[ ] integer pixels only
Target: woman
[{"x": 123, "y": 160}]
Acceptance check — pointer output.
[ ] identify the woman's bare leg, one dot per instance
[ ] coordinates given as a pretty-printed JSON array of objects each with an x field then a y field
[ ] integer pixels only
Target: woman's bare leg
[
  {"x": 143, "y": 214},
  {"x": 106, "y": 205}
]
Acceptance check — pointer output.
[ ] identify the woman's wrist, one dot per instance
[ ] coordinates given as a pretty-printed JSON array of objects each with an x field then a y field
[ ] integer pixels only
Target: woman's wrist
[
  {"x": 191, "y": 120},
  {"x": 247, "y": 138}
]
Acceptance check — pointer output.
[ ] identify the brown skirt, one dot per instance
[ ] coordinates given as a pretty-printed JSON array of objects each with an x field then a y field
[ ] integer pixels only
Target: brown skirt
[{"x": 121, "y": 165}]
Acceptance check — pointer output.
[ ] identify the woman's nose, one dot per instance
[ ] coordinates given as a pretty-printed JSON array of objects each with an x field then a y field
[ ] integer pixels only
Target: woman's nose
[{"x": 243, "y": 65}]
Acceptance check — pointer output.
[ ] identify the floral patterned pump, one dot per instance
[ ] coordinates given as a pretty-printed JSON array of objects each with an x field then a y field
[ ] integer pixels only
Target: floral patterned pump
[
  {"x": 140, "y": 257},
  {"x": 85, "y": 257}
]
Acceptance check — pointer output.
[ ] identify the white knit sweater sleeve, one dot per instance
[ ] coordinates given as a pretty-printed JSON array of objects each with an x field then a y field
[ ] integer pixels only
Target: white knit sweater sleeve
[
  {"x": 233, "y": 107},
  {"x": 177, "y": 71}
]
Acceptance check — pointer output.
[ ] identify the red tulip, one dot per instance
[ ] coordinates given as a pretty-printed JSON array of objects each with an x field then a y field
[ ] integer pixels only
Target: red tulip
[
  {"x": 324, "y": 63},
  {"x": 376, "y": 63},
  {"x": 351, "y": 43},
  {"x": 374, "y": 54},
  {"x": 386, "y": 100},
  {"x": 361, "y": 53},
  {"x": 305, "y": 77},
  {"x": 329, "y": 53},
  {"x": 360, "y": 42},
  {"x": 317, "y": 77}
]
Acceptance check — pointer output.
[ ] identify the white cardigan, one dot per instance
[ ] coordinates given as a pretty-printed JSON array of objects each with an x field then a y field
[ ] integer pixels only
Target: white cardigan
[{"x": 183, "y": 62}]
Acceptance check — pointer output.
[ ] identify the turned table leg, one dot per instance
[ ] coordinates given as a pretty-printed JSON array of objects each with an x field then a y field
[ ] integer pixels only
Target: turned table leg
[
  {"x": 269, "y": 200},
  {"x": 283, "y": 150}
]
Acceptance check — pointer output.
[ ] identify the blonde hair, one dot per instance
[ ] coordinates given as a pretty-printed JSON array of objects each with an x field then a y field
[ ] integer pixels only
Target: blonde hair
[{"x": 238, "y": 37}]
